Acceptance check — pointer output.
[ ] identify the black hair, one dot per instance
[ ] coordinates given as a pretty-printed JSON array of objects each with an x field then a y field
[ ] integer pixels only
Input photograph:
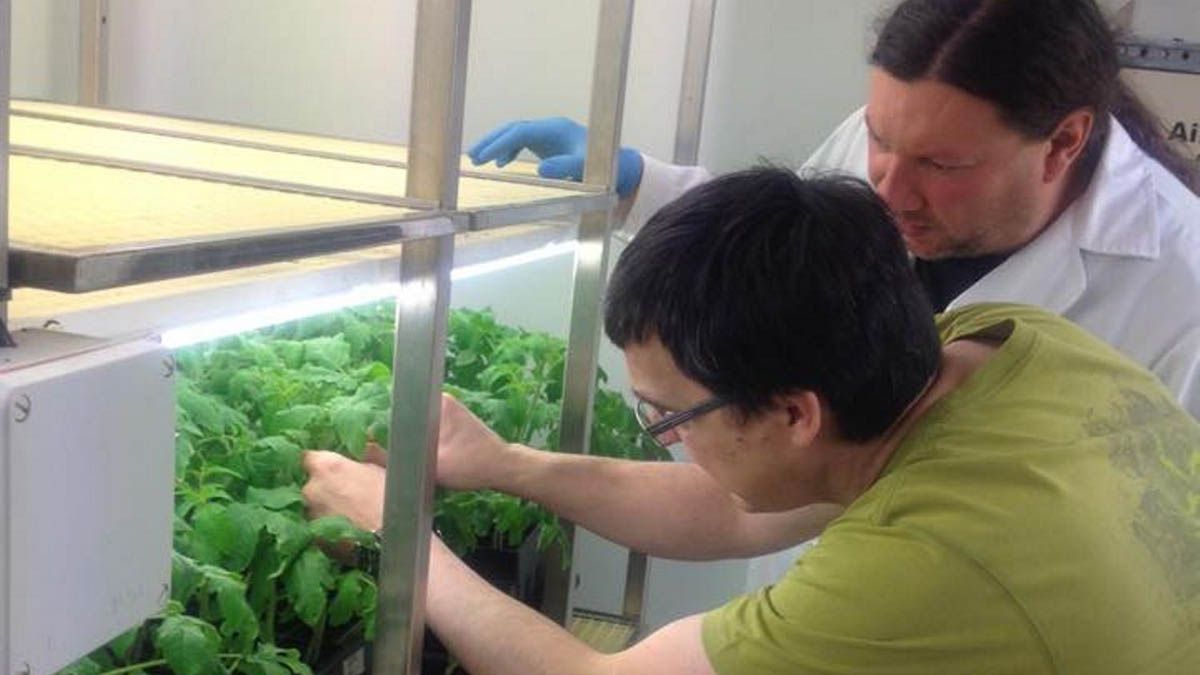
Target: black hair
[
  {"x": 1035, "y": 60},
  {"x": 762, "y": 283}
]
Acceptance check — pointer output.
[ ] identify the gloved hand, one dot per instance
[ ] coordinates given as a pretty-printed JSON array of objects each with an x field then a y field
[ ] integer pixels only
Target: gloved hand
[{"x": 561, "y": 145}]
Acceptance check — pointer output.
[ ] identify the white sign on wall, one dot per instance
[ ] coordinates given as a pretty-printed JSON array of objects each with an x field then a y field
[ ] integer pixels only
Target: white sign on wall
[{"x": 1175, "y": 98}]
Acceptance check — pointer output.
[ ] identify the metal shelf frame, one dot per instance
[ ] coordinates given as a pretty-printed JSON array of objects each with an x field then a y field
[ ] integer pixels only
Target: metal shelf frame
[
  {"x": 432, "y": 191},
  {"x": 440, "y": 73},
  {"x": 105, "y": 267},
  {"x": 5, "y": 285},
  {"x": 263, "y": 167},
  {"x": 1174, "y": 56}
]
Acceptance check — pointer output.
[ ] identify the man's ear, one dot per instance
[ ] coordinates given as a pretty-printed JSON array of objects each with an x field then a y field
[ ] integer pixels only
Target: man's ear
[
  {"x": 805, "y": 416},
  {"x": 1067, "y": 143}
]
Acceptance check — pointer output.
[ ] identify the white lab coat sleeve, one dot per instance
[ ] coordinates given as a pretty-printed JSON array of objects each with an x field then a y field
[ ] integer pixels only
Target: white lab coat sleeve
[
  {"x": 661, "y": 183},
  {"x": 845, "y": 150},
  {"x": 1179, "y": 370}
]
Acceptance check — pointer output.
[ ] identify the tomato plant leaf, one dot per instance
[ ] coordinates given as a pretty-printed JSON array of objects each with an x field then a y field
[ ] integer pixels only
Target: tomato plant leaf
[
  {"x": 307, "y": 583},
  {"x": 339, "y": 528},
  {"x": 185, "y": 577},
  {"x": 232, "y": 531},
  {"x": 348, "y": 601},
  {"x": 291, "y": 536},
  {"x": 351, "y": 419},
  {"x": 276, "y": 499},
  {"x": 272, "y": 660},
  {"x": 238, "y": 622},
  {"x": 190, "y": 645}
]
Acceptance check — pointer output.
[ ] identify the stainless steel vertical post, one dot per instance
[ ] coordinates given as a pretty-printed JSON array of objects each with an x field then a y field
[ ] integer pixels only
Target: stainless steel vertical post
[
  {"x": 5, "y": 95},
  {"x": 688, "y": 124},
  {"x": 591, "y": 256},
  {"x": 5, "y": 62},
  {"x": 435, "y": 141},
  {"x": 93, "y": 52},
  {"x": 694, "y": 82}
]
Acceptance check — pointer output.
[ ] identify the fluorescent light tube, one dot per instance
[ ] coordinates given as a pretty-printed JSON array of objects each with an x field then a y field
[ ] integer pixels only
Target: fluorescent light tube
[{"x": 214, "y": 329}]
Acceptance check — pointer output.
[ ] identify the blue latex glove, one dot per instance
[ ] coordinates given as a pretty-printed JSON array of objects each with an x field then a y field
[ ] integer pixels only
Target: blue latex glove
[{"x": 561, "y": 145}]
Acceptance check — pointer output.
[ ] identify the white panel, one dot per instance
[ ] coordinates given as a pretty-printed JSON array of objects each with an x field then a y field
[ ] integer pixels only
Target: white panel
[
  {"x": 528, "y": 58},
  {"x": 533, "y": 58},
  {"x": 45, "y": 49},
  {"x": 598, "y": 573},
  {"x": 1175, "y": 98},
  {"x": 90, "y": 483},
  {"x": 346, "y": 68},
  {"x": 656, "y": 55},
  {"x": 783, "y": 74},
  {"x": 1166, "y": 19},
  {"x": 675, "y": 589},
  {"x": 341, "y": 68}
]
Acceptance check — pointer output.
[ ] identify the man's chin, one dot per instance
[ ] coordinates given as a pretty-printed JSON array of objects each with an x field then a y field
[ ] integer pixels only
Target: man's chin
[{"x": 923, "y": 248}]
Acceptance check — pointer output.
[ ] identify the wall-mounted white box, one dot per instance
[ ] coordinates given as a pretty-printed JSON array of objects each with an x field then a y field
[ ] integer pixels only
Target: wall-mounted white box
[{"x": 86, "y": 492}]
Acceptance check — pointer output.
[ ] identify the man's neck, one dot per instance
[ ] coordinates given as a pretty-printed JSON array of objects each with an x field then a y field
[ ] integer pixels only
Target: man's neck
[{"x": 855, "y": 467}]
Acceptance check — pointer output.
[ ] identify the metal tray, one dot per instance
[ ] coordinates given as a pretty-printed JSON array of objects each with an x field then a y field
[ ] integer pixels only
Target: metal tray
[{"x": 78, "y": 227}]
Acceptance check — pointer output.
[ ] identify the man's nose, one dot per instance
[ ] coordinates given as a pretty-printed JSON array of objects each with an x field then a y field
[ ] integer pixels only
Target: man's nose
[{"x": 895, "y": 184}]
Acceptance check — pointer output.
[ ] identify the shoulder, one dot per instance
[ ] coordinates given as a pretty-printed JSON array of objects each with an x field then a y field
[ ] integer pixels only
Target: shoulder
[
  {"x": 845, "y": 149},
  {"x": 998, "y": 320}
]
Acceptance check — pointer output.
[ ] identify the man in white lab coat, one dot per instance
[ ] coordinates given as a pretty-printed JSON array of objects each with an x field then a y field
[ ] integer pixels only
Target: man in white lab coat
[{"x": 1020, "y": 169}]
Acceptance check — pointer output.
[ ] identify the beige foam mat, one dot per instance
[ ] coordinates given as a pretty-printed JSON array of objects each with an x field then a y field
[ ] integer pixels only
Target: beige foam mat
[
  {"x": 72, "y": 206},
  {"x": 382, "y": 152}
]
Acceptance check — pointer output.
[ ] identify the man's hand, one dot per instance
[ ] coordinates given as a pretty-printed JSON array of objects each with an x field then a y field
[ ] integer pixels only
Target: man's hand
[
  {"x": 469, "y": 453},
  {"x": 561, "y": 144},
  {"x": 338, "y": 485}
]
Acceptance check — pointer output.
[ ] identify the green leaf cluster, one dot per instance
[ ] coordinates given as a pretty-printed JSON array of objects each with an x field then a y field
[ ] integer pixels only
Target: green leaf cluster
[{"x": 254, "y": 590}]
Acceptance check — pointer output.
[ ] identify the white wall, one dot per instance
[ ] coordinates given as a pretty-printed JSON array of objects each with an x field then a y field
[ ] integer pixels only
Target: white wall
[
  {"x": 533, "y": 58},
  {"x": 340, "y": 68},
  {"x": 45, "y": 49},
  {"x": 783, "y": 74},
  {"x": 1167, "y": 19},
  {"x": 345, "y": 68}
]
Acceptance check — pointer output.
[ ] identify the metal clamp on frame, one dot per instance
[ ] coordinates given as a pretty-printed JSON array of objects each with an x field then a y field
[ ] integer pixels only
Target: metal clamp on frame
[{"x": 1174, "y": 56}]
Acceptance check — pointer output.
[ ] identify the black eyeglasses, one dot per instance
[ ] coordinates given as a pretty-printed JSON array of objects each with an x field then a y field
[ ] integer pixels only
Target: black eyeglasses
[{"x": 657, "y": 422}]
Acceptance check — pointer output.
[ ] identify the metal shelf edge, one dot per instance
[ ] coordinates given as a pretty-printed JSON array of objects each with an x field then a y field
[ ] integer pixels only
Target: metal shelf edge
[
  {"x": 490, "y": 217},
  {"x": 111, "y": 268}
]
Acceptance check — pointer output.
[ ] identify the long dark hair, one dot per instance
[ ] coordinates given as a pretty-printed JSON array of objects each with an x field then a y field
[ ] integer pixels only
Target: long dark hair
[{"x": 1035, "y": 60}]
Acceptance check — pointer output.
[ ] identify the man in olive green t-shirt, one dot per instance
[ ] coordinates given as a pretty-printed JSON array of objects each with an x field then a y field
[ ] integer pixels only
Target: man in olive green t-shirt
[
  {"x": 1042, "y": 517},
  {"x": 1009, "y": 496}
]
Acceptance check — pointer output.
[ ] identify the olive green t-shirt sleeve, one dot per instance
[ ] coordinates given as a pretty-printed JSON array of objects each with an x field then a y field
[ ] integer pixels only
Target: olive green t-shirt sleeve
[{"x": 874, "y": 600}]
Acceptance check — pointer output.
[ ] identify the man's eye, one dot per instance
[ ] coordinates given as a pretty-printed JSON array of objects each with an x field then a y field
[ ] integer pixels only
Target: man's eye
[{"x": 941, "y": 166}]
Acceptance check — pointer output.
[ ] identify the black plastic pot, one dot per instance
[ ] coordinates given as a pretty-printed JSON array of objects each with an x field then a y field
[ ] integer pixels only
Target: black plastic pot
[{"x": 350, "y": 660}]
